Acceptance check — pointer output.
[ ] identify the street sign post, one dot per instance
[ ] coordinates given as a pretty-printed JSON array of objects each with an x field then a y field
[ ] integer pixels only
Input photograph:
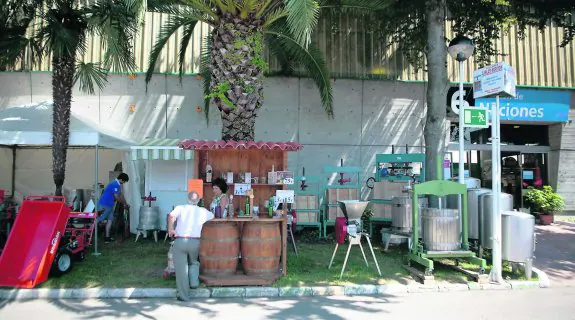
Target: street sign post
[
  {"x": 475, "y": 117},
  {"x": 494, "y": 80}
]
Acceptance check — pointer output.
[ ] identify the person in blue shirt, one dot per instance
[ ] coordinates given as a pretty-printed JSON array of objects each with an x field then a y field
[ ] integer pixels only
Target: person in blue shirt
[{"x": 110, "y": 195}]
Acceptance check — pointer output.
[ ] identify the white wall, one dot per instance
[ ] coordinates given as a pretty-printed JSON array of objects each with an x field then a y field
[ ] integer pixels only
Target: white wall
[
  {"x": 34, "y": 170},
  {"x": 370, "y": 116}
]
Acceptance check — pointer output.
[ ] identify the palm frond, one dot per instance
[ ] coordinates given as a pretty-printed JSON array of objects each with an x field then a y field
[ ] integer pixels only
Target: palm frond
[
  {"x": 89, "y": 75},
  {"x": 186, "y": 36},
  {"x": 355, "y": 6},
  {"x": 116, "y": 23},
  {"x": 278, "y": 37},
  {"x": 275, "y": 15},
  {"x": 205, "y": 72},
  {"x": 302, "y": 18},
  {"x": 171, "y": 26},
  {"x": 63, "y": 30}
]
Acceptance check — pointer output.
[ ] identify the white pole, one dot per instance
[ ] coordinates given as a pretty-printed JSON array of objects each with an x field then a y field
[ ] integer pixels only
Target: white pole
[
  {"x": 461, "y": 174},
  {"x": 96, "y": 200},
  {"x": 495, "y": 275}
]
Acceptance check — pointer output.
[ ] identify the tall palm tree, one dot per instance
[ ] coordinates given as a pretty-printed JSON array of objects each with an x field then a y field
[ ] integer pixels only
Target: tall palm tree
[
  {"x": 233, "y": 62},
  {"x": 61, "y": 33}
]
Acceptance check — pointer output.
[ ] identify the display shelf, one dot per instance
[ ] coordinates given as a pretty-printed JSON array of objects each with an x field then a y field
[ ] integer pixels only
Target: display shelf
[{"x": 256, "y": 161}]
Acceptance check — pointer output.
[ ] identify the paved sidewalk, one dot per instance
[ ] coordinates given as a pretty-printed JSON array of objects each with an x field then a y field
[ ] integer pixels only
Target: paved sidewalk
[{"x": 555, "y": 252}]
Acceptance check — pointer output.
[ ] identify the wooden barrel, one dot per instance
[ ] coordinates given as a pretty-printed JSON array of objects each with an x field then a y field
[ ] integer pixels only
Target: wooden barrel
[
  {"x": 219, "y": 248},
  {"x": 261, "y": 247}
]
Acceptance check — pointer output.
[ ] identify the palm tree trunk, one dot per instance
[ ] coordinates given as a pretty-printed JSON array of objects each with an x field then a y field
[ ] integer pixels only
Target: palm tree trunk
[
  {"x": 62, "y": 83},
  {"x": 237, "y": 74}
]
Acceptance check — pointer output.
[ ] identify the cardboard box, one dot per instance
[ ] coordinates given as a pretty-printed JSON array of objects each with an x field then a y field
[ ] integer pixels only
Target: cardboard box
[
  {"x": 381, "y": 210},
  {"x": 306, "y": 202},
  {"x": 388, "y": 189},
  {"x": 308, "y": 217},
  {"x": 334, "y": 195}
]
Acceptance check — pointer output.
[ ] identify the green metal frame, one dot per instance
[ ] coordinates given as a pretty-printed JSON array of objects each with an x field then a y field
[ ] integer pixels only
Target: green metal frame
[
  {"x": 417, "y": 254},
  {"x": 399, "y": 157},
  {"x": 327, "y": 173},
  {"x": 313, "y": 189},
  {"x": 388, "y": 158}
]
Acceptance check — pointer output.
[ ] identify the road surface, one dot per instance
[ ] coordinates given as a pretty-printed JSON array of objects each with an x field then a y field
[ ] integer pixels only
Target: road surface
[{"x": 548, "y": 304}]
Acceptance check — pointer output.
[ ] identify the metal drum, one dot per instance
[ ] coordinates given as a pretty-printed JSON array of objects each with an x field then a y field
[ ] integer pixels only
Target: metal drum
[
  {"x": 473, "y": 211},
  {"x": 518, "y": 236},
  {"x": 149, "y": 218},
  {"x": 470, "y": 182},
  {"x": 441, "y": 229},
  {"x": 401, "y": 215},
  {"x": 485, "y": 216},
  {"x": 77, "y": 199}
]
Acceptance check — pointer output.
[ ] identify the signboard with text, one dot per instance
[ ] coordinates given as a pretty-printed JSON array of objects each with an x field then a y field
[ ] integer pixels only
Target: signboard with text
[
  {"x": 532, "y": 105},
  {"x": 496, "y": 79}
]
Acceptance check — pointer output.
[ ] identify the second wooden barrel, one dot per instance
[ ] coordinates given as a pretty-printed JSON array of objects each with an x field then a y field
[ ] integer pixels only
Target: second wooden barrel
[
  {"x": 261, "y": 247},
  {"x": 219, "y": 248}
]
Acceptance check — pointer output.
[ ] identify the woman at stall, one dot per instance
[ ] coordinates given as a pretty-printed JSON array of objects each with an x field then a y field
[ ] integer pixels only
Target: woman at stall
[{"x": 220, "y": 199}]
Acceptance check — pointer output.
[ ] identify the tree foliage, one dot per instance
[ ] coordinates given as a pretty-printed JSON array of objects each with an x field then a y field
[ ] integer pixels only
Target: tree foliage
[{"x": 482, "y": 20}]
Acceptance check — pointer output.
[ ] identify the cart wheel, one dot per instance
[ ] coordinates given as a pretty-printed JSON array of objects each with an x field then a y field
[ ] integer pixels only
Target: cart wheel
[
  {"x": 62, "y": 262},
  {"x": 428, "y": 272},
  {"x": 481, "y": 271}
]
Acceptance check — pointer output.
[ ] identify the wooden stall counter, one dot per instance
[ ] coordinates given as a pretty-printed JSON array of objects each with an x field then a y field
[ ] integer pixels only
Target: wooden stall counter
[{"x": 243, "y": 251}]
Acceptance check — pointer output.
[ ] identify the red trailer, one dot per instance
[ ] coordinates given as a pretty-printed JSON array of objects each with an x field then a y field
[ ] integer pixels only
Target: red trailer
[{"x": 46, "y": 237}]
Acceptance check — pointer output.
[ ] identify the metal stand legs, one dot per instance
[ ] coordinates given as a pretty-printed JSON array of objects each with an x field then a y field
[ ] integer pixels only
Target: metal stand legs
[{"x": 355, "y": 241}]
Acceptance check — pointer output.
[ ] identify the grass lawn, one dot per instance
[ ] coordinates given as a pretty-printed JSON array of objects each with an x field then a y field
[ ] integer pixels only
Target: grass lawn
[{"x": 141, "y": 264}]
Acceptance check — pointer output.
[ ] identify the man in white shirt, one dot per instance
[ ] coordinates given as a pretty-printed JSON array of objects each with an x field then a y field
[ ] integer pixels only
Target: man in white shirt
[{"x": 190, "y": 219}]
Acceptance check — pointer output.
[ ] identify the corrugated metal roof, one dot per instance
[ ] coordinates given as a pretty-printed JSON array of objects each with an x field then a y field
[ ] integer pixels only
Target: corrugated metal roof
[{"x": 352, "y": 51}]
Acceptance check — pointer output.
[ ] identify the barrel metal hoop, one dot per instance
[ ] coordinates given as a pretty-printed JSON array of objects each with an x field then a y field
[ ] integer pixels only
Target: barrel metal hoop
[
  {"x": 221, "y": 240},
  {"x": 254, "y": 239}
]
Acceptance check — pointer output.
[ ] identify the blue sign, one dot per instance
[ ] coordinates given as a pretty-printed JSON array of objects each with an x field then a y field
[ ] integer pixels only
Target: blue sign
[{"x": 532, "y": 105}]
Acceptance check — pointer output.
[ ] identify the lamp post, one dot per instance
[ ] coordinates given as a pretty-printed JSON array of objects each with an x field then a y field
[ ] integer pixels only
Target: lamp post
[{"x": 460, "y": 49}]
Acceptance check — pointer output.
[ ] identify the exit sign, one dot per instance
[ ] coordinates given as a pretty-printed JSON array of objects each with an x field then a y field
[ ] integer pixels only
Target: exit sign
[{"x": 475, "y": 117}]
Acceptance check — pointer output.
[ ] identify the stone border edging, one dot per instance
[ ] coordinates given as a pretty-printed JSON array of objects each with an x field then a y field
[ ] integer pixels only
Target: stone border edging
[
  {"x": 268, "y": 292},
  {"x": 254, "y": 292}
]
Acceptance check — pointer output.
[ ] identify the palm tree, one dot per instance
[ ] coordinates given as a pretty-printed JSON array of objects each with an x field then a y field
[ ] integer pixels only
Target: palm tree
[
  {"x": 61, "y": 32},
  {"x": 232, "y": 60},
  {"x": 15, "y": 17}
]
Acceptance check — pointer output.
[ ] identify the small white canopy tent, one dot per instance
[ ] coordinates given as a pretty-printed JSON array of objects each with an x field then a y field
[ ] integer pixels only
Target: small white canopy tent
[
  {"x": 167, "y": 170},
  {"x": 30, "y": 127}
]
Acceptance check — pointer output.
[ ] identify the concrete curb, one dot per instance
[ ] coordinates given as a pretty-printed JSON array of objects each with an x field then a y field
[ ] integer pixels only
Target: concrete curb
[{"x": 250, "y": 292}]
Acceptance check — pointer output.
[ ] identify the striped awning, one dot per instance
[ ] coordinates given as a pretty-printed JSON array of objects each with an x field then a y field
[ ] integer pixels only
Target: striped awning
[{"x": 160, "y": 149}]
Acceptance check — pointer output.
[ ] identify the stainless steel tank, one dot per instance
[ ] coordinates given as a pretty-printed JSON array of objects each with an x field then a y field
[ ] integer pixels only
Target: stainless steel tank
[
  {"x": 473, "y": 211},
  {"x": 485, "y": 216},
  {"x": 149, "y": 218},
  {"x": 441, "y": 229},
  {"x": 401, "y": 213},
  {"x": 452, "y": 201},
  {"x": 518, "y": 236},
  {"x": 78, "y": 198},
  {"x": 470, "y": 182}
]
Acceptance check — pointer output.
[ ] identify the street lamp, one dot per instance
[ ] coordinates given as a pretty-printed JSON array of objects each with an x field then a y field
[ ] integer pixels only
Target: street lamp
[{"x": 460, "y": 49}]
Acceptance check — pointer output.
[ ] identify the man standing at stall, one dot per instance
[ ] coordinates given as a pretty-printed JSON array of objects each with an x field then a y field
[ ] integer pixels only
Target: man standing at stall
[
  {"x": 190, "y": 219},
  {"x": 111, "y": 194}
]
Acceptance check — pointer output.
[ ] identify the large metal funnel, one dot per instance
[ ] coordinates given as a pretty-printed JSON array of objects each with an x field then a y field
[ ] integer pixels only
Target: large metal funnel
[{"x": 352, "y": 209}]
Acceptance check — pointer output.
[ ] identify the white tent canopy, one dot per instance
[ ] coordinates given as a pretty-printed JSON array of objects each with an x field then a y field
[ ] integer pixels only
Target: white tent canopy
[{"x": 31, "y": 125}]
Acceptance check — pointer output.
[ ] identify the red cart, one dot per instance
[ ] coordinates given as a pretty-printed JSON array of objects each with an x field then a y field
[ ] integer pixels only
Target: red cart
[{"x": 46, "y": 238}]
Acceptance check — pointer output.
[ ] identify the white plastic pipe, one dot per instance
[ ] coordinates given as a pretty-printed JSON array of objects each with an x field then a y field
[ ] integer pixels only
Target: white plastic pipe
[
  {"x": 461, "y": 171},
  {"x": 496, "y": 270}
]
